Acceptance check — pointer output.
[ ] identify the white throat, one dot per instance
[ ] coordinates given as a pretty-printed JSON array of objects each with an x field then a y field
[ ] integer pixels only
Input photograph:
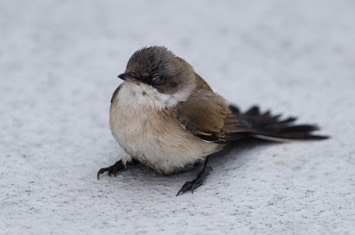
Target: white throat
[{"x": 144, "y": 96}]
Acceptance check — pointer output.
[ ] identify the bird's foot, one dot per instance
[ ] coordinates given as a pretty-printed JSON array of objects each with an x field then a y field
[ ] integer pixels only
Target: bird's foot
[
  {"x": 194, "y": 184},
  {"x": 112, "y": 170}
]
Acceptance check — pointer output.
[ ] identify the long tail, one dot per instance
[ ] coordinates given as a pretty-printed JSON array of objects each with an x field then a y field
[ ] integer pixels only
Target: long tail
[{"x": 274, "y": 128}]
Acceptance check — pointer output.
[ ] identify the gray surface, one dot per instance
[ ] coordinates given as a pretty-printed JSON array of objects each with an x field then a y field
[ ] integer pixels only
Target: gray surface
[{"x": 58, "y": 67}]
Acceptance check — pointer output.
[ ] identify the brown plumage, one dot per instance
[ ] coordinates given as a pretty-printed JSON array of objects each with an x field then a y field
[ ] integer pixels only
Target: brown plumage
[
  {"x": 167, "y": 117},
  {"x": 219, "y": 123}
]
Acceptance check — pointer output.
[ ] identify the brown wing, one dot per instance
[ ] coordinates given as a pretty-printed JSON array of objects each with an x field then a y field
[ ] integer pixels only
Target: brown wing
[
  {"x": 235, "y": 128},
  {"x": 207, "y": 115}
]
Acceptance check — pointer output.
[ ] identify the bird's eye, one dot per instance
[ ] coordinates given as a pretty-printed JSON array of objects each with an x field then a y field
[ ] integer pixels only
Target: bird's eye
[{"x": 157, "y": 80}]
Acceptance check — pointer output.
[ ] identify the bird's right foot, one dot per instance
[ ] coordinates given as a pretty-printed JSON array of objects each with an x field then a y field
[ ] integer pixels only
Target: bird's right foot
[{"x": 112, "y": 170}]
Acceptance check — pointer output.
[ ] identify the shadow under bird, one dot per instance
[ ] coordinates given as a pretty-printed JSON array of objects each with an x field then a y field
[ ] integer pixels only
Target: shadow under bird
[{"x": 165, "y": 116}]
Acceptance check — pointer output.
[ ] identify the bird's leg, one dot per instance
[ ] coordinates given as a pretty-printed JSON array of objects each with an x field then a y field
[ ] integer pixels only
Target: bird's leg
[
  {"x": 133, "y": 162},
  {"x": 194, "y": 184}
]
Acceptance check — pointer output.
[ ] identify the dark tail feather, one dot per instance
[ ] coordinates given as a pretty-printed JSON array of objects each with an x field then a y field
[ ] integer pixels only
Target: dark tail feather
[{"x": 273, "y": 127}]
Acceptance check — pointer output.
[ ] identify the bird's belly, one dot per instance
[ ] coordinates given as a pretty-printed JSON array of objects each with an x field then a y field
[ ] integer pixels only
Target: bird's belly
[{"x": 157, "y": 142}]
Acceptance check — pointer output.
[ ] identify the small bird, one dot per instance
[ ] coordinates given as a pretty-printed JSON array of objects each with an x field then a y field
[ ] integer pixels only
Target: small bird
[{"x": 165, "y": 116}]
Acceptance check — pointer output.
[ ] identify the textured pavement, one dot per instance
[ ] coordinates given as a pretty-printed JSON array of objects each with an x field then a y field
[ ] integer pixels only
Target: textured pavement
[{"x": 58, "y": 66}]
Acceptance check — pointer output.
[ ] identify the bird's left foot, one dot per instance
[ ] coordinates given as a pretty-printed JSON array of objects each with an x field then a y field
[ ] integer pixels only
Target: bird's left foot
[{"x": 194, "y": 184}]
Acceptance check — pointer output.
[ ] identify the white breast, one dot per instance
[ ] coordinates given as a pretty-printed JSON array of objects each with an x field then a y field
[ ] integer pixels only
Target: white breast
[{"x": 149, "y": 134}]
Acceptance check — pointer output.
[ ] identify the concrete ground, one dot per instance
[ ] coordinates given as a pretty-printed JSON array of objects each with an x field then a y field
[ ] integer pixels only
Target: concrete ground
[{"x": 58, "y": 66}]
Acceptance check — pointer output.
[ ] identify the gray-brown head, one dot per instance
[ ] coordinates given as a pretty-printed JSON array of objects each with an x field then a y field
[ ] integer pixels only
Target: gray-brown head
[{"x": 156, "y": 69}]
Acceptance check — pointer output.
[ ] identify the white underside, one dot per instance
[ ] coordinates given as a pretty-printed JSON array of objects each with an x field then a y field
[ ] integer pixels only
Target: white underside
[{"x": 155, "y": 140}]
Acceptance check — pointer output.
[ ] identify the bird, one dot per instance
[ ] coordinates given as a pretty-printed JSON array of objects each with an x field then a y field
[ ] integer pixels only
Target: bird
[{"x": 166, "y": 117}]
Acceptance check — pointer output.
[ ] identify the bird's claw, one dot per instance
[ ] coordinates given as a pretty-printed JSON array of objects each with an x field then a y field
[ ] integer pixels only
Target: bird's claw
[
  {"x": 194, "y": 184},
  {"x": 112, "y": 170}
]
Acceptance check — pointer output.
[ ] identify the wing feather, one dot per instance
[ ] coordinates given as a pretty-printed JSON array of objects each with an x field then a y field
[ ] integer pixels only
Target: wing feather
[{"x": 208, "y": 116}]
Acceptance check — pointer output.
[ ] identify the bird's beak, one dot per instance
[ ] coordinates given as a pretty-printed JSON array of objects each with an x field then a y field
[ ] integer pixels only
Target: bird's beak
[
  {"x": 123, "y": 76},
  {"x": 127, "y": 78}
]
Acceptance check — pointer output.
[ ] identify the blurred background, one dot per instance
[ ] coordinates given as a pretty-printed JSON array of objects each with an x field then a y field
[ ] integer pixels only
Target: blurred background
[{"x": 59, "y": 62}]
